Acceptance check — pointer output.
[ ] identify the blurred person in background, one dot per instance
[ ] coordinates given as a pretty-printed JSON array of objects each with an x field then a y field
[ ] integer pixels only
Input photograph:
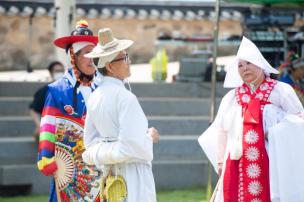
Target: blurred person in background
[
  {"x": 294, "y": 76},
  {"x": 56, "y": 71}
]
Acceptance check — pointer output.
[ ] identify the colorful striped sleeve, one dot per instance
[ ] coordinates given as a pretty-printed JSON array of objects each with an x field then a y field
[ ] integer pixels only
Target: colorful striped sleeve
[{"x": 46, "y": 160}]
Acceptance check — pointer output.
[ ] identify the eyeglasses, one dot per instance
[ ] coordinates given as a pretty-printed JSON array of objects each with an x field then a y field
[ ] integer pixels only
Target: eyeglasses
[{"x": 125, "y": 58}]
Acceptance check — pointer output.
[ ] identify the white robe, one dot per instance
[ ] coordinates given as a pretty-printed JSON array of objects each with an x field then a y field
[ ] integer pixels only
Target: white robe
[
  {"x": 223, "y": 136},
  {"x": 116, "y": 133}
]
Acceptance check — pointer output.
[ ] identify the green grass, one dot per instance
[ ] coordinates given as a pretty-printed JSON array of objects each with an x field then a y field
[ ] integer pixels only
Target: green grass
[
  {"x": 24, "y": 199},
  {"x": 187, "y": 195}
]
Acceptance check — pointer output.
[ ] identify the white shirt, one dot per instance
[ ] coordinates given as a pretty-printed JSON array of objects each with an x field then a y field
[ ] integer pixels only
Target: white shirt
[
  {"x": 118, "y": 124},
  {"x": 116, "y": 133}
]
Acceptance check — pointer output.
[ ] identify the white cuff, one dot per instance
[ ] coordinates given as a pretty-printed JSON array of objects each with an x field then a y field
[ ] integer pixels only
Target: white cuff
[{"x": 88, "y": 155}]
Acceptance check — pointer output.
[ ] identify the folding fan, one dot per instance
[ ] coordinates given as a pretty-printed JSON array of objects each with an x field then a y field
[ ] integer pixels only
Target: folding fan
[
  {"x": 65, "y": 164},
  {"x": 75, "y": 180}
]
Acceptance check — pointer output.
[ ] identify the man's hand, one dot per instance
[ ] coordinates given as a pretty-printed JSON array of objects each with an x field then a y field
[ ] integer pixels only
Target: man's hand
[{"x": 154, "y": 134}]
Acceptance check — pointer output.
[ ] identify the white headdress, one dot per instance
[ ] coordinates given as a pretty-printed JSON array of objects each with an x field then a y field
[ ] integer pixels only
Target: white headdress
[{"x": 249, "y": 52}]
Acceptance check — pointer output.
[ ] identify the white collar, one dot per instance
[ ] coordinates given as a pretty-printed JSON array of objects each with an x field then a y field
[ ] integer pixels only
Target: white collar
[{"x": 109, "y": 79}]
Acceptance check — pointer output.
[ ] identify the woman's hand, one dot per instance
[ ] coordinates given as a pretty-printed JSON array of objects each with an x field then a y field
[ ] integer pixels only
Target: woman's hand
[
  {"x": 154, "y": 134},
  {"x": 220, "y": 168}
]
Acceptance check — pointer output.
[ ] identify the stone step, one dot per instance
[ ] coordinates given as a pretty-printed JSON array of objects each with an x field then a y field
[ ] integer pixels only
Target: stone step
[
  {"x": 19, "y": 106},
  {"x": 181, "y": 174},
  {"x": 178, "y": 148},
  {"x": 139, "y": 89},
  {"x": 167, "y": 175},
  {"x": 17, "y": 151},
  {"x": 179, "y": 125},
  {"x": 176, "y": 89},
  {"x": 18, "y": 126},
  {"x": 24, "y": 174},
  {"x": 17, "y": 174},
  {"x": 176, "y": 106},
  {"x": 10, "y": 89},
  {"x": 23, "y": 150},
  {"x": 15, "y": 106}
]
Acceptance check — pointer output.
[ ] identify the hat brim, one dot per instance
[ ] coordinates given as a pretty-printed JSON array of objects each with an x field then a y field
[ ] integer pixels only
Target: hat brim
[
  {"x": 63, "y": 42},
  {"x": 122, "y": 45}
]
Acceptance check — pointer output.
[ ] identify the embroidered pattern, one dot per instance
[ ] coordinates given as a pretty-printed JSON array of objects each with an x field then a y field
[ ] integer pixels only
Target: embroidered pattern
[
  {"x": 264, "y": 86},
  {"x": 253, "y": 170},
  {"x": 252, "y": 154},
  {"x": 69, "y": 110},
  {"x": 246, "y": 98},
  {"x": 256, "y": 200},
  {"x": 242, "y": 89},
  {"x": 255, "y": 188},
  {"x": 251, "y": 137},
  {"x": 259, "y": 96}
]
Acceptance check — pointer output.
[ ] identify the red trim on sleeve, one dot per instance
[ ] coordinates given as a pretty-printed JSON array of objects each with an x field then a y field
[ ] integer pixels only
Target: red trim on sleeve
[
  {"x": 45, "y": 144},
  {"x": 49, "y": 169}
]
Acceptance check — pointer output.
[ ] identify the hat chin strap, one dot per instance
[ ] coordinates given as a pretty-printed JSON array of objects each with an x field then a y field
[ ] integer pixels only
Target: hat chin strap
[{"x": 81, "y": 77}]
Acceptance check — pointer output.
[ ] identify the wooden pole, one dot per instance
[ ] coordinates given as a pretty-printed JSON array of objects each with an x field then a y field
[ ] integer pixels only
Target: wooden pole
[
  {"x": 213, "y": 87},
  {"x": 30, "y": 41},
  {"x": 64, "y": 22},
  {"x": 57, "y": 190}
]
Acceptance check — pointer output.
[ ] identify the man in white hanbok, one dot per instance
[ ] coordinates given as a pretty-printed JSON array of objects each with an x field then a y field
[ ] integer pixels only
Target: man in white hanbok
[
  {"x": 256, "y": 140},
  {"x": 116, "y": 134}
]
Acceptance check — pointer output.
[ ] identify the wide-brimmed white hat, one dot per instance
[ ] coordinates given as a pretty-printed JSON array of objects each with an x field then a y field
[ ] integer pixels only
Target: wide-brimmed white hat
[{"x": 108, "y": 47}]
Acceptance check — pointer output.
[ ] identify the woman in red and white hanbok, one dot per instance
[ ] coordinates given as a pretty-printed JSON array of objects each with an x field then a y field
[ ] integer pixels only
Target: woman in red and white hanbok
[{"x": 256, "y": 140}]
